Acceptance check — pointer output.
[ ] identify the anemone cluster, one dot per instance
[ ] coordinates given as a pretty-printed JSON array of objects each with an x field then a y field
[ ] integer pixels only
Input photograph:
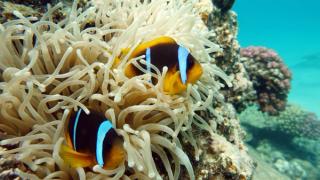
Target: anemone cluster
[
  {"x": 52, "y": 68},
  {"x": 270, "y": 77}
]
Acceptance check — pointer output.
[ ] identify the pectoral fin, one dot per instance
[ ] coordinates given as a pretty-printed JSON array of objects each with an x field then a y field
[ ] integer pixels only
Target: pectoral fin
[
  {"x": 76, "y": 159},
  {"x": 173, "y": 83}
]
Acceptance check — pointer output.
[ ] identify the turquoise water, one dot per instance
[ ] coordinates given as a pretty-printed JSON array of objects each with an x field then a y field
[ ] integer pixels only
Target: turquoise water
[{"x": 292, "y": 28}]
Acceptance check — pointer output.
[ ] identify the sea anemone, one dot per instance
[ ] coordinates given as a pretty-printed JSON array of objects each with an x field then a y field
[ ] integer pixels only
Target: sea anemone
[{"x": 50, "y": 69}]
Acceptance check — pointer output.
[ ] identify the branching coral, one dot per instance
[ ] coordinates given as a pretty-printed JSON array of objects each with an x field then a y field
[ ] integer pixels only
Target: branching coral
[
  {"x": 270, "y": 76},
  {"x": 50, "y": 69}
]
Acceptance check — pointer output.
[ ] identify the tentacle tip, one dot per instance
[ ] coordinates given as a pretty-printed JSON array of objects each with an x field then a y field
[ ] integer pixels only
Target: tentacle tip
[
  {"x": 140, "y": 168},
  {"x": 131, "y": 164},
  {"x": 151, "y": 175}
]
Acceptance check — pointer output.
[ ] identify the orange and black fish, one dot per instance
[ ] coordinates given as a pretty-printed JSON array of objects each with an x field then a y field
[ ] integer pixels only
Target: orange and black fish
[
  {"x": 91, "y": 139},
  {"x": 164, "y": 51}
]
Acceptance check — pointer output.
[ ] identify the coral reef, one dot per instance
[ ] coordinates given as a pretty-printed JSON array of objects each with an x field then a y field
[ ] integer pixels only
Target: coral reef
[
  {"x": 225, "y": 27},
  {"x": 270, "y": 76},
  {"x": 296, "y": 122},
  {"x": 311, "y": 147},
  {"x": 290, "y": 166},
  {"x": 51, "y": 67},
  {"x": 257, "y": 73},
  {"x": 264, "y": 169},
  {"x": 7, "y": 9},
  {"x": 291, "y": 150},
  {"x": 37, "y": 8},
  {"x": 33, "y": 3}
]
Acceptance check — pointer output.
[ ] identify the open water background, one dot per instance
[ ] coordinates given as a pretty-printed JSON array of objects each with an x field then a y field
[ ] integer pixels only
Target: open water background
[{"x": 292, "y": 28}]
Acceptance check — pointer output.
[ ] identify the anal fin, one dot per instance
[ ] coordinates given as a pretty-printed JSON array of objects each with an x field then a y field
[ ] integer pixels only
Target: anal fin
[
  {"x": 76, "y": 159},
  {"x": 115, "y": 156}
]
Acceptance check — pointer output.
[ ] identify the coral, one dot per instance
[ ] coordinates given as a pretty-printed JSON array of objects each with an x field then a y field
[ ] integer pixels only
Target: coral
[
  {"x": 311, "y": 146},
  {"x": 226, "y": 28},
  {"x": 292, "y": 168},
  {"x": 265, "y": 81},
  {"x": 34, "y": 3},
  {"x": 51, "y": 68},
  {"x": 7, "y": 9},
  {"x": 270, "y": 76},
  {"x": 233, "y": 162},
  {"x": 282, "y": 163},
  {"x": 296, "y": 122},
  {"x": 289, "y": 142},
  {"x": 285, "y": 163}
]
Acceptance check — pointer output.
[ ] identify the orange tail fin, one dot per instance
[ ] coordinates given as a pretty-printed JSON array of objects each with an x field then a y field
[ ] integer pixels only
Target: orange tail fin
[{"x": 75, "y": 159}]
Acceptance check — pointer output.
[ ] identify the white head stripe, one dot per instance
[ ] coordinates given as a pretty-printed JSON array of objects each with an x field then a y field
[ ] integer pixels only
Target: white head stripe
[{"x": 182, "y": 58}]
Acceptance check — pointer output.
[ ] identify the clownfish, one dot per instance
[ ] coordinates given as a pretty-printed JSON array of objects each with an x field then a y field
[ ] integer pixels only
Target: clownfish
[
  {"x": 164, "y": 51},
  {"x": 91, "y": 139}
]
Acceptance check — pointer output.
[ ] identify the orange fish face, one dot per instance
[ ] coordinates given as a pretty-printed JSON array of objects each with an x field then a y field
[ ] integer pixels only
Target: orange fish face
[
  {"x": 164, "y": 51},
  {"x": 91, "y": 139}
]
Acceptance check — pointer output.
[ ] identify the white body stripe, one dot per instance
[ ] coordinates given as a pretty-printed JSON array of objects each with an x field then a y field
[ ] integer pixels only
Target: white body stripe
[
  {"x": 104, "y": 128},
  {"x": 148, "y": 58}
]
